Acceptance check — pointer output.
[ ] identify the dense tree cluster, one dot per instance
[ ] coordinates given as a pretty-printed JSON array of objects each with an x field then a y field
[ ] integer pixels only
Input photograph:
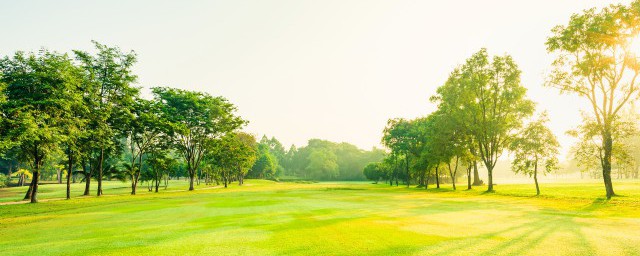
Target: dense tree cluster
[
  {"x": 81, "y": 114},
  {"x": 481, "y": 109},
  {"x": 319, "y": 160},
  {"x": 482, "y": 106}
]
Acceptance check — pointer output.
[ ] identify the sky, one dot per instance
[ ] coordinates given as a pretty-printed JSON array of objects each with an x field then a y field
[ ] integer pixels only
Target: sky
[{"x": 299, "y": 69}]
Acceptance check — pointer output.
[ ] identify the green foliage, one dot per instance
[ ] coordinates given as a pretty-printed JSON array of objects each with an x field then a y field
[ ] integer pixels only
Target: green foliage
[
  {"x": 487, "y": 94},
  {"x": 265, "y": 164},
  {"x": 4, "y": 180},
  {"x": 374, "y": 171},
  {"x": 234, "y": 155},
  {"x": 349, "y": 160},
  {"x": 195, "y": 121},
  {"x": 322, "y": 164},
  {"x": 535, "y": 146},
  {"x": 596, "y": 59},
  {"x": 41, "y": 91}
]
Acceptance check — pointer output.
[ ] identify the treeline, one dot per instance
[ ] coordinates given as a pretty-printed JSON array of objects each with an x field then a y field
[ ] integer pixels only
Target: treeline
[
  {"x": 318, "y": 160},
  {"x": 80, "y": 114},
  {"x": 480, "y": 114},
  {"x": 482, "y": 106}
]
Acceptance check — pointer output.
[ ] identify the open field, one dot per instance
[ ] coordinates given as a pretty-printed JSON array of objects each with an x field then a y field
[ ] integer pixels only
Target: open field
[{"x": 326, "y": 219}]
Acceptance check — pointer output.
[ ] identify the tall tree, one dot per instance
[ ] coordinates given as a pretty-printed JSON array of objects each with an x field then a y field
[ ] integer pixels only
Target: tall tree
[
  {"x": 494, "y": 104},
  {"x": 108, "y": 94},
  {"x": 535, "y": 146},
  {"x": 40, "y": 92},
  {"x": 144, "y": 133},
  {"x": 596, "y": 59},
  {"x": 196, "y": 120}
]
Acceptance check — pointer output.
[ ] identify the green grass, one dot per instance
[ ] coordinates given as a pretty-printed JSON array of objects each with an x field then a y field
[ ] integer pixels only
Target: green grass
[{"x": 340, "y": 218}]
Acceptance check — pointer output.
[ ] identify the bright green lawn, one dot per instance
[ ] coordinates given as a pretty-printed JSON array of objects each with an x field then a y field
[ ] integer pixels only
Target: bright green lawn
[{"x": 266, "y": 218}]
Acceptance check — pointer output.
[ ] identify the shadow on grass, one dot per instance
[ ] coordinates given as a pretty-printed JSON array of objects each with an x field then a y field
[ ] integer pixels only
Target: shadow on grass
[{"x": 522, "y": 238}]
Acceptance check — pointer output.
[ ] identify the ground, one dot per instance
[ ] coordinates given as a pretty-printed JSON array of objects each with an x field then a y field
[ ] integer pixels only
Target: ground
[{"x": 340, "y": 218}]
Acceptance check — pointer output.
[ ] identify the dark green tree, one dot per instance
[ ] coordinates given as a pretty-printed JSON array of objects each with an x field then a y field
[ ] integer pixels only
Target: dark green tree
[{"x": 40, "y": 94}]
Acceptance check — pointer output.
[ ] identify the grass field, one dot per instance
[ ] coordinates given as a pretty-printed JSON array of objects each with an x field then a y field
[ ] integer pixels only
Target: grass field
[{"x": 268, "y": 218}]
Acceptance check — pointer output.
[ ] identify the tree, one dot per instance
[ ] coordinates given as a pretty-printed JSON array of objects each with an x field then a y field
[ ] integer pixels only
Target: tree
[
  {"x": 245, "y": 154},
  {"x": 447, "y": 139},
  {"x": 160, "y": 162},
  {"x": 108, "y": 95},
  {"x": 196, "y": 120},
  {"x": 40, "y": 91},
  {"x": 399, "y": 136},
  {"x": 322, "y": 164},
  {"x": 597, "y": 60},
  {"x": 589, "y": 151},
  {"x": 373, "y": 172},
  {"x": 265, "y": 165},
  {"x": 493, "y": 102},
  {"x": 144, "y": 134},
  {"x": 233, "y": 155},
  {"x": 536, "y": 145}
]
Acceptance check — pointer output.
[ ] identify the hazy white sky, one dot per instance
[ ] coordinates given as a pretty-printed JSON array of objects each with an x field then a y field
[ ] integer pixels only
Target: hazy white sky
[{"x": 300, "y": 69}]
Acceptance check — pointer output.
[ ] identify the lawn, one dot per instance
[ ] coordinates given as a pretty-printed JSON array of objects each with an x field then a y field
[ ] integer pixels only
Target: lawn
[{"x": 341, "y": 218}]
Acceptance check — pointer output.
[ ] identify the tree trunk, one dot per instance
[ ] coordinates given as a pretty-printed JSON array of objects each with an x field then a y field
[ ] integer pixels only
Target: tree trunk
[
  {"x": 469, "y": 176},
  {"x": 606, "y": 164},
  {"x": 133, "y": 184},
  {"x": 34, "y": 190},
  {"x": 406, "y": 158},
  {"x": 437, "y": 178},
  {"x": 476, "y": 175},
  {"x": 99, "y": 193},
  {"x": 87, "y": 180},
  {"x": 69, "y": 174},
  {"x": 490, "y": 174},
  {"x": 157, "y": 183},
  {"x": 426, "y": 182},
  {"x": 28, "y": 194},
  {"x": 10, "y": 172},
  {"x": 192, "y": 175},
  {"x": 453, "y": 173},
  {"x": 535, "y": 177}
]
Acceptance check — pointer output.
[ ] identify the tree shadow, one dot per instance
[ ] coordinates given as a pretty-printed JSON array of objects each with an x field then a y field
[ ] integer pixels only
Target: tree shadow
[{"x": 529, "y": 235}]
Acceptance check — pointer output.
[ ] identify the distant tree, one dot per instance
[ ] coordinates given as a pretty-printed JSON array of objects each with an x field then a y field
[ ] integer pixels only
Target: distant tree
[
  {"x": 40, "y": 91},
  {"x": 234, "y": 154},
  {"x": 196, "y": 120},
  {"x": 245, "y": 153},
  {"x": 597, "y": 60},
  {"x": 400, "y": 137},
  {"x": 373, "y": 172},
  {"x": 536, "y": 145},
  {"x": 265, "y": 164},
  {"x": 322, "y": 164}
]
